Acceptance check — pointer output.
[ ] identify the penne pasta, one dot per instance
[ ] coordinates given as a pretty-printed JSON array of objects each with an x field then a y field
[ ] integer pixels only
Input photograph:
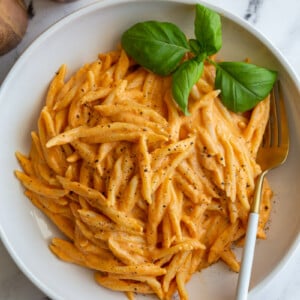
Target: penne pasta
[{"x": 145, "y": 196}]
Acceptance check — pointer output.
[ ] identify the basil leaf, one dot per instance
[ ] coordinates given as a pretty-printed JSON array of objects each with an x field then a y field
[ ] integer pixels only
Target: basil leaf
[
  {"x": 243, "y": 85},
  {"x": 194, "y": 45},
  {"x": 157, "y": 46},
  {"x": 208, "y": 30},
  {"x": 183, "y": 80}
]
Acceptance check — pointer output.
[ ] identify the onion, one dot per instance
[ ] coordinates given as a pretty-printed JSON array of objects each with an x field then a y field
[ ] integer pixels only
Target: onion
[{"x": 13, "y": 23}]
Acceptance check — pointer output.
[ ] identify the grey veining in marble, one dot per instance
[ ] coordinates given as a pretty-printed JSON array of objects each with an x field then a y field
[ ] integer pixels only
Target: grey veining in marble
[{"x": 253, "y": 10}]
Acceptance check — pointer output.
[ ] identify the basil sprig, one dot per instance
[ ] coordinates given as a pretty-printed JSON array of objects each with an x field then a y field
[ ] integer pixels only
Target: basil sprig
[
  {"x": 161, "y": 46},
  {"x": 183, "y": 80},
  {"x": 157, "y": 46},
  {"x": 243, "y": 85},
  {"x": 208, "y": 30}
]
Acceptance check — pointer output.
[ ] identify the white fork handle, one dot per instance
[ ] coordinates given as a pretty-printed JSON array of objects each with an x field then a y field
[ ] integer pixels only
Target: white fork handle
[{"x": 247, "y": 259}]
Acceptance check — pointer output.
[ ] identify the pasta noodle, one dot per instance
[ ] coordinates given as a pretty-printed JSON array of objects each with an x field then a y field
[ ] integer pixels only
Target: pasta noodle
[{"x": 144, "y": 195}]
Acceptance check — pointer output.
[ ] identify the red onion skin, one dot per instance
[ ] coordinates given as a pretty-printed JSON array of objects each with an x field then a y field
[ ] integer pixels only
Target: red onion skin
[{"x": 13, "y": 24}]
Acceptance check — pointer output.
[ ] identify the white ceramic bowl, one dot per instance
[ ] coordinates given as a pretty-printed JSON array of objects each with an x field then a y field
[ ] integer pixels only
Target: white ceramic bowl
[{"x": 76, "y": 40}]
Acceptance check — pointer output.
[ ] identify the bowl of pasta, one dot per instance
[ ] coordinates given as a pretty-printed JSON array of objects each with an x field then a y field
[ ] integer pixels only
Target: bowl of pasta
[{"x": 127, "y": 175}]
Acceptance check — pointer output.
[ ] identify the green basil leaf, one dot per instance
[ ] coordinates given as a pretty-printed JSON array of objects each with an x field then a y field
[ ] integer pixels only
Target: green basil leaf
[
  {"x": 208, "y": 30},
  {"x": 183, "y": 80},
  {"x": 157, "y": 46},
  {"x": 194, "y": 45},
  {"x": 243, "y": 85}
]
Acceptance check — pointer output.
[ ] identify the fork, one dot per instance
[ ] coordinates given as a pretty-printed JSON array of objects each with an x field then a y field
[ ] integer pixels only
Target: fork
[{"x": 272, "y": 153}]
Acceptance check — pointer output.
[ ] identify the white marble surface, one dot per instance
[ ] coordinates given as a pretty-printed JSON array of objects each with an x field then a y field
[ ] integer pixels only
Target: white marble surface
[{"x": 278, "y": 20}]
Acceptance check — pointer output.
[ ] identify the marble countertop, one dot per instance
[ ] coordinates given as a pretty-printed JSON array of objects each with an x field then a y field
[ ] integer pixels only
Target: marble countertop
[{"x": 278, "y": 20}]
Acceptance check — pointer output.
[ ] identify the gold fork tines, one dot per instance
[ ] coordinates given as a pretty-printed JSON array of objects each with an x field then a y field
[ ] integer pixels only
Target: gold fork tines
[
  {"x": 272, "y": 153},
  {"x": 274, "y": 148},
  {"x": 284, "y": 139}
]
